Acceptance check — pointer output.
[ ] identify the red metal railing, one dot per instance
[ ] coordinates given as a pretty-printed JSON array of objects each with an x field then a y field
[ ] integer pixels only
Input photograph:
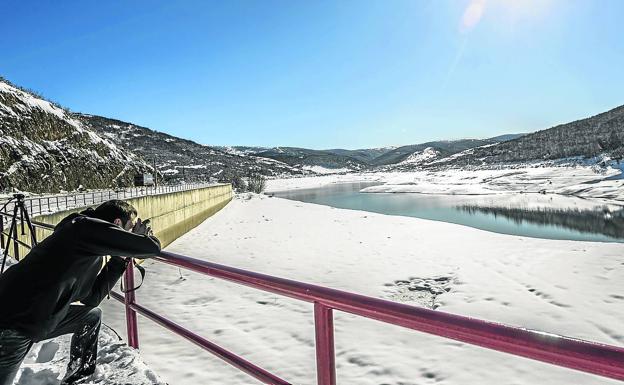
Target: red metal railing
[{"x": 601, "y": 359}]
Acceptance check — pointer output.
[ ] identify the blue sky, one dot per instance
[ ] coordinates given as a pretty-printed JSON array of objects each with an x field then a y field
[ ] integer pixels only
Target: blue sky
[{"x": 321, "y": 74}]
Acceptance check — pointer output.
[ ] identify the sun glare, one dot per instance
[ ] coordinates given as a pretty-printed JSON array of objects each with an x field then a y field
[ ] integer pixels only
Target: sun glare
[{"x": 507, "y": 10}]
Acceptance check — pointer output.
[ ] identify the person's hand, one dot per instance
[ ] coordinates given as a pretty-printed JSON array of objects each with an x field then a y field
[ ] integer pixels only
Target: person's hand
[{"x": 142, "y": 227}]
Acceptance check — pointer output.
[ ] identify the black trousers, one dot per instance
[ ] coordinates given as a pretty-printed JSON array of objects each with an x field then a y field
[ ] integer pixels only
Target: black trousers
[{"x": 83, "y": 321}]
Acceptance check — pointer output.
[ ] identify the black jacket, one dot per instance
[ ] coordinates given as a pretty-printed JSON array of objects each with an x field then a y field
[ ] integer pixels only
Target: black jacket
[{"x": 35, "y": 293}]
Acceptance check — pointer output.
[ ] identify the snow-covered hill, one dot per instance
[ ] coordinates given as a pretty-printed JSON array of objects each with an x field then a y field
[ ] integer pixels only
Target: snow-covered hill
[
  {"x": 181, "y": 159},
  {"x": 420, "y": 157},
  {"x": 44, "y": 148},
  {"x": 599, "y": 136}
]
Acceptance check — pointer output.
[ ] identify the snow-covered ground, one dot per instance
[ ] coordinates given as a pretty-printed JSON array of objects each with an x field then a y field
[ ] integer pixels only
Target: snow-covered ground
[
  {"x": 46, "y": 363},
  {"x": 323, "y": 180},
  {"x": 324, "y": 170},
  {"x": 567, "y": 287}
]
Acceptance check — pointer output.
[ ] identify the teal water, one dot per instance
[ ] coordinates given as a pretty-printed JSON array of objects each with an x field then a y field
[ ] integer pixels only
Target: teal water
[{"x": 500, "y": 214}]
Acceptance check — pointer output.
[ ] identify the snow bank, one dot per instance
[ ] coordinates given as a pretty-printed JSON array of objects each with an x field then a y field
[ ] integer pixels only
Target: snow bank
[
  {"x": 585, "y": 182},
  {"x": 325, "y": 170},
  {"x": 117, "y": 363},
  {"x": 320, "y": 181}
]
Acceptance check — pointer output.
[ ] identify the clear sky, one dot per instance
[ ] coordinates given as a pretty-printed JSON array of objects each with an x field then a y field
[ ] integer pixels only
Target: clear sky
[{"x": 321, "y": 74}]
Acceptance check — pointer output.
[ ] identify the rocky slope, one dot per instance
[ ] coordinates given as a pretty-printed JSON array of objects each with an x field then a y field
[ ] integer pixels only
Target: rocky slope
[
  {"x": 45, "y": 148},
  {"x": 180, "y": 159}
]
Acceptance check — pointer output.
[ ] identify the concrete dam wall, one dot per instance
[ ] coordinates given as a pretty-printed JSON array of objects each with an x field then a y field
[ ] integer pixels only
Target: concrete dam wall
[{"x": 171, "y": 214}]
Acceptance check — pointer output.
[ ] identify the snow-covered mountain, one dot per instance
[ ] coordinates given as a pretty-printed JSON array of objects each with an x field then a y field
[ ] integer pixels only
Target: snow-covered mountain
[
  {"x": 411, "y": 157},
  {"x": 45, "y": 148},
  {"x": 420, "y": 157},
  {"x": 385, "y": 158},
  {"x": 181, "y": 159}
]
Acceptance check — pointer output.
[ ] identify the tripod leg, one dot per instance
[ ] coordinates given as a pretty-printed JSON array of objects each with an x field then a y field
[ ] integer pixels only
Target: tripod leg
[
  {"x": 21, "y": 211},
  {"x": 15, "y": 237},
  {"x": 31, "y": 228},
  {"x": 2, "y": 232},
  {"x": 12, "y": 229}
]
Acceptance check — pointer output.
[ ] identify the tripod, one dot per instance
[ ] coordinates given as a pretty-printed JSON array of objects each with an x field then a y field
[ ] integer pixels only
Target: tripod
[{"x": 24, "y": 218}]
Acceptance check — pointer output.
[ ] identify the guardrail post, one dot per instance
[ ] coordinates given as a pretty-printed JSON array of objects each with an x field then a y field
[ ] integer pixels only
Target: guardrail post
[
  {"x": 131, "y": 317},
  {"x": 325, "y": 359}
]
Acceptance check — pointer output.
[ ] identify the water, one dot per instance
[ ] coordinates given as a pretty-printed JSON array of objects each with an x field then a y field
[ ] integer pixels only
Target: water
[{"x": 531, "y": 215}]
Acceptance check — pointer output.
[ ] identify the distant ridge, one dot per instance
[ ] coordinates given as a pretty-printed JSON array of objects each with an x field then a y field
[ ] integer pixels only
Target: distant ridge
[
  {"x": 599, "y": 135},
  {"x": 368, "y": 159}
]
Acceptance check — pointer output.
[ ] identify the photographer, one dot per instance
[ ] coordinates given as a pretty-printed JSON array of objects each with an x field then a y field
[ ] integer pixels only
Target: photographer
[{"x": 38, "y": 294}]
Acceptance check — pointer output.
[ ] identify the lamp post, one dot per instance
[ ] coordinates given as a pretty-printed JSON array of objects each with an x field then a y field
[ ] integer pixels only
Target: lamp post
[{"x": 155, "y": 174}]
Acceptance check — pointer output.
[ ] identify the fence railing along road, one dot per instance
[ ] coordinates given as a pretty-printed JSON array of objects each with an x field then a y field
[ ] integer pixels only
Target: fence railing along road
[
  {"x": 47, "y": 204},
  {"x": 591, "y": 357}
]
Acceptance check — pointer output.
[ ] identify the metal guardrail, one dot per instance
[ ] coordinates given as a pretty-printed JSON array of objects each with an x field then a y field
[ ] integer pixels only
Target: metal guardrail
[
  {"x": 38, "y": 205},
  {"x": 591, "y": 357}
]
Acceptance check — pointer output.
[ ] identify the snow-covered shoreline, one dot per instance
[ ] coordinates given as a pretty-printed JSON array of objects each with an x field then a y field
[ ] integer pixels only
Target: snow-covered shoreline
[{"x": 604, "y": 184}]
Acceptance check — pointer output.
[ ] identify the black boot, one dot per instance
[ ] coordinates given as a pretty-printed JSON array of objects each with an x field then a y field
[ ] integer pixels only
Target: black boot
[{"x": 83, "y": 353}]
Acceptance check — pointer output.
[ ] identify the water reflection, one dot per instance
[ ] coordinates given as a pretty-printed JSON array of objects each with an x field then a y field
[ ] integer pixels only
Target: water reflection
[
  {"x": 532, "y": 215},
  {"x": 604, "y": 222}
]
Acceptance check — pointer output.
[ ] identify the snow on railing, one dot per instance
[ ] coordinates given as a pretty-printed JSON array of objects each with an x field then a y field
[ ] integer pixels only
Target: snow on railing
[
  {"x": 48, "y": 204},
  {"x": 591, "y": 357}
]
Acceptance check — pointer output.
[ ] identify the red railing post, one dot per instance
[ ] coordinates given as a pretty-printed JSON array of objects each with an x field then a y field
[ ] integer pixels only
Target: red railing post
[
  {"x": 325, "y": 359},
  {"x": 129, "y": 299}
]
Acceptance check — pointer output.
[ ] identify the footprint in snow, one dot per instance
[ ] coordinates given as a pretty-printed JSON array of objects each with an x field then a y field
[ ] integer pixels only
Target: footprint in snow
[{"x": 422, "y": 291}]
